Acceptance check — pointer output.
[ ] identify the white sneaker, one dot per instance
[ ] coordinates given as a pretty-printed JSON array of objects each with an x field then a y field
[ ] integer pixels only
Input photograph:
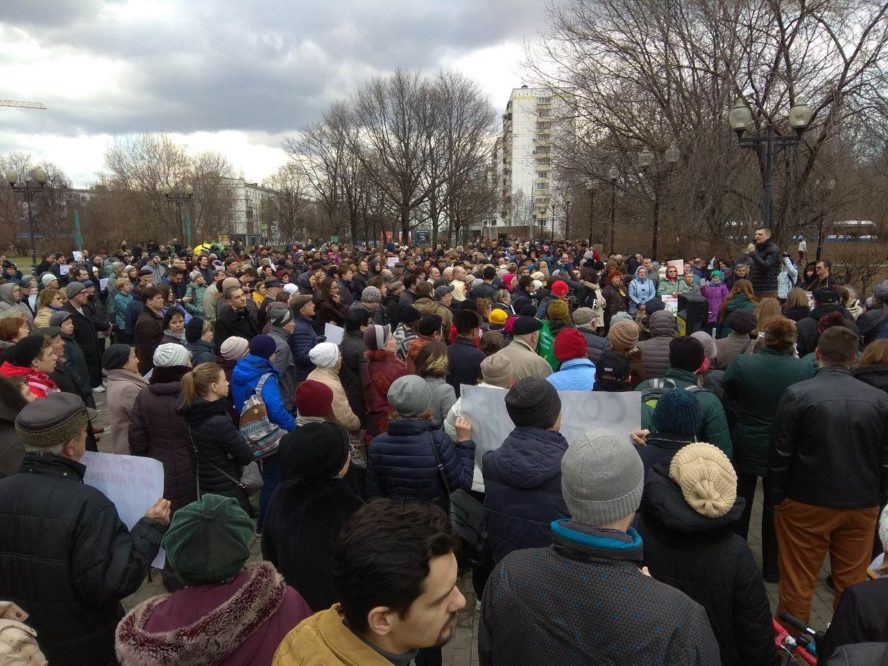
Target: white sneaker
[{"x": 98, "y": 389}]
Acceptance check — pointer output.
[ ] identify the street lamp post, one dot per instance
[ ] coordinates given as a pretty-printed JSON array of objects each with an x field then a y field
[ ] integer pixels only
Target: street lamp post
[
  {"x": 567, "y": 219},
  {"x": 553, "y": 224},
  {"x": 612, "y": 176},
  {"x": 770, "y": 144},
  {"x": 35, "y": 182},
  {"x": 591, "y": 186},
  {"x": 829, "y": 186},
  {"x": 181, "y": 195},
  {"x": 645, "y": 160}
]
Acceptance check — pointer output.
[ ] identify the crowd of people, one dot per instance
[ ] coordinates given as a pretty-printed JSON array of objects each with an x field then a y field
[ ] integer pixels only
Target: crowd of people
[{"x": 311, "y": 397}]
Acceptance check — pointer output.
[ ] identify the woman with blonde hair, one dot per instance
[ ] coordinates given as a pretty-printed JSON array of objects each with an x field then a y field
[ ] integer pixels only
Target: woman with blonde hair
[
  {"x": 431, "y": 365},
  {"x": 741, "y": 297},
  {"x": 220, "y": 449},
  {"x": 49, "y": 302},
  {"x": 873, "y": 365},
  {"x": 797, "y": 306}
]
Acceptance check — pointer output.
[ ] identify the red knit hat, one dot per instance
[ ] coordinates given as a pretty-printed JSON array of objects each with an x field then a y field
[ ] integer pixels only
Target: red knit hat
[
  {"x": 560, "y": 288},
  {"x": 313, "y": 398},
  {"x": 569, "y": 344}
]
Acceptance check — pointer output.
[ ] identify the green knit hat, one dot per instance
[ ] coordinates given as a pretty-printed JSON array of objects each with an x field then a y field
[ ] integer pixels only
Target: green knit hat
[{"x": 208, "y": 540}]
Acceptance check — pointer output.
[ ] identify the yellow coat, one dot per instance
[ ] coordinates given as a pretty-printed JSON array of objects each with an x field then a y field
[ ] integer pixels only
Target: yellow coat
[{"x": 323, "y": 640}]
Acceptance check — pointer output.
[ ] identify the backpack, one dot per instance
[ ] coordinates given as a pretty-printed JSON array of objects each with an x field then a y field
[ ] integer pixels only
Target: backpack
[
  {"x": 261, "y": 434},
  {"x": 657, "y": 387}
]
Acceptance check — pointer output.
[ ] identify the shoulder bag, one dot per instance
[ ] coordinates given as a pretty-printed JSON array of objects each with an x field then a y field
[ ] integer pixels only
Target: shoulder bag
[
  {"x": 261, "y": 434},
  {"x": 467, "y": 516},
  {"x": 251, "y": 476}
]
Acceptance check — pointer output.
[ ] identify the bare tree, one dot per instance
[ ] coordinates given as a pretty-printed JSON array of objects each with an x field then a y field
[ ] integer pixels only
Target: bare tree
[
  {"x": 652, "y": 73},
  {"x": 289, "y": 199}
]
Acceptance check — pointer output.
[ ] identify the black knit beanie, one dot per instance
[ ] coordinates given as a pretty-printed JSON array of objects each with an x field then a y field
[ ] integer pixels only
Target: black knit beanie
[{"x": 533, "y": 403}]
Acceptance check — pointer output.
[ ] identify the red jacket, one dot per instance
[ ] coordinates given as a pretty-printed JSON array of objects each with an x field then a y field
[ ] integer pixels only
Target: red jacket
[
  {"x": 377, "y": 374},
  {"x": 39, "y": 382}
]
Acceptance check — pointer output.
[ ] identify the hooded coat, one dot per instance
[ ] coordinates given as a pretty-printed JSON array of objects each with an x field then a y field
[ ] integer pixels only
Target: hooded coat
[
  {"x": 221, "y": 449},
  {"x": 157, "y": 430},
  {"x": 244, "y": 380},
  {"x": 233, "y": 623},
  {"x": 703, "y": 558},
  {"x": 522, "y": 482},
  {"x": 8, "y": 304},
  {"x": 300, "y": 530},
  {"x": 655, "y": 350}
]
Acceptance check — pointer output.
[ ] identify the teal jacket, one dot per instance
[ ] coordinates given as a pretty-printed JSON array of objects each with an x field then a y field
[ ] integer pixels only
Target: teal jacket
[
  {"x": 755, "y": 383},
  {"x": 714, "y": 428}
]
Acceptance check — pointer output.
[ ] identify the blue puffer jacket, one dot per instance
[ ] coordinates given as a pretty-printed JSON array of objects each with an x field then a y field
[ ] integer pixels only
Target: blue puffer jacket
[
  {"x": 402, "y": 465},
  {"x": 522, "y": 481},
  {"x": 301, "y": 342},
  {"x": 577, "y": 374},
  {"x": 245, "y": 377}
]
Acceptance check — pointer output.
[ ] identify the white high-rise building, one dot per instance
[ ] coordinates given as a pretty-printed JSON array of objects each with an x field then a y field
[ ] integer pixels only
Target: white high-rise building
[{"x": 527, "y": 182}]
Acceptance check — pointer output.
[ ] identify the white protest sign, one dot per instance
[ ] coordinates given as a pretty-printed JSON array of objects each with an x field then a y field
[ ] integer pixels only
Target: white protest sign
[
  {"x": 103, "y": 284},
  {"x": 333, "y": 333},
  {"x": 64, "y": 269},
  {"x": 670, "y": 303},
  {"x": 581, "y": 411},
  {"x": 132, "y": 483},
  {"x": 78, "y": 255},
  {"x": 391, "y": 261}
]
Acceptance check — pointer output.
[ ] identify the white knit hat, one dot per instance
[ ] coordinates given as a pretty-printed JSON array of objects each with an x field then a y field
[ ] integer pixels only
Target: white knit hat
[
  {"x": 324, "y": 355},
  {"x": 290, "y": 288},
  {"x": 234, "y": 348},
  {"x": 171, "y": 354},
  {"x": 706, "y": 477}
]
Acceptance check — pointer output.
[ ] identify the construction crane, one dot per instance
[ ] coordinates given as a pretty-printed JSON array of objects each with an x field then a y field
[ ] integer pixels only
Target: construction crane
[{"x": 22, "y": 105}]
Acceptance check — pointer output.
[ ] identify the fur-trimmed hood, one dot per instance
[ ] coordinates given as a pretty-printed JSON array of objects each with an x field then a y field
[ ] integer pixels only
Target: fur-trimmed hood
[{"x": 212, "y": 638}]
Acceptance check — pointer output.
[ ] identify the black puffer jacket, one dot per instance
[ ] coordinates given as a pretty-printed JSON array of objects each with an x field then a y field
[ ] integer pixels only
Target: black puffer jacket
[
  {"x": 828, "y": 430},
  {"x": 703, "y": 558},
  {"x": 807, "y": 327},
  {"x": 764, "y": 267},
  {"x": 522, "y": 482},
  {"x": 402, "y": 465},
  {"x": 66, "y": 557},
  {"x": 221, "y": 449}
]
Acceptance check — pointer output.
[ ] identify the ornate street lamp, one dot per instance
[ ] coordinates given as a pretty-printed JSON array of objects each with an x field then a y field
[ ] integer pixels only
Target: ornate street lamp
[
  {"x": 35, "y": 182},
  {"x": 591, "y": 186},
  {"x": 646, "y": 159},
  {"x": 612, "y": 175},
  {"x": 768, "y": 145},
  {"x": 180, "y": 195}
]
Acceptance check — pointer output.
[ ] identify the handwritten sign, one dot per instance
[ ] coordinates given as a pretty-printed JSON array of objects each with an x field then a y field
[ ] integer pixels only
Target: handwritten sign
[
  {"x": 670, "y": 303},
  {"x": 103, "y": 284},
  {"x": 581, "y": 411},
  {"x": 132, "y": 483},
  {"x": 391, "y": 262}
]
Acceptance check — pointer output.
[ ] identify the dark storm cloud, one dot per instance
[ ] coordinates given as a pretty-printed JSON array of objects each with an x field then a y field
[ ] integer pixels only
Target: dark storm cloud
[{"x": 269, "y": 67}]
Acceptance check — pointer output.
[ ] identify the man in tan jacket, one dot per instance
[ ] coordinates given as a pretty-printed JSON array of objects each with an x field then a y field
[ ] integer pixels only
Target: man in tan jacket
[{"x": 522, "y": 350}]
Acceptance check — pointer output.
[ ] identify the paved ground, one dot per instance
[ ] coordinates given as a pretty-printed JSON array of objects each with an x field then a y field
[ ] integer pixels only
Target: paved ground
[{"x": 463, "y": 649}]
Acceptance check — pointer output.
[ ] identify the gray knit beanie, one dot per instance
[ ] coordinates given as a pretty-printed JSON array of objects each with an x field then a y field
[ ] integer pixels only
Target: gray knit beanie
[{"x": 602, "y": 478}]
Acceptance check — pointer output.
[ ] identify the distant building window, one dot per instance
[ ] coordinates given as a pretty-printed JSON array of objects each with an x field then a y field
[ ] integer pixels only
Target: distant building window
[
  {"x": 544, "y": 100},
  {"x": 542, "y": 186}
]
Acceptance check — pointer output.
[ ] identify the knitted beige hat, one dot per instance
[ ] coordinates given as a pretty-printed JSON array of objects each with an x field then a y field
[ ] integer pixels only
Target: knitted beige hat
[{"x": 706, "y": 477}]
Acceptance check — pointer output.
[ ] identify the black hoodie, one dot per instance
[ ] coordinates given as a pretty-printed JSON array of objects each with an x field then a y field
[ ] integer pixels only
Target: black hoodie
[{"x": 703, "y": 558}]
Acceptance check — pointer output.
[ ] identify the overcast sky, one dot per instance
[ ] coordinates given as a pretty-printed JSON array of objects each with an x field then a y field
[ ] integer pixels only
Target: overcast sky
[{"x": 236, "y": 77}]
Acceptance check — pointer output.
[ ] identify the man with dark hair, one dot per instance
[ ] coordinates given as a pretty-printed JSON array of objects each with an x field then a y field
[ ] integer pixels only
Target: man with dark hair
[
  {"x": 234, "y": 317},
  {"x": 828, "y": 472},
  {"x": 463, "y": 356},
  {"x": 826, "y": 302},
  {"x": 485, "y": 288},
  {"x": 822, "y": 272},
  {"x": 685, "y": 359},
  {"x": 394, "y": 573},
  {"x": 764, "y": 263},
  {"x": 408, "y": 296}
]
